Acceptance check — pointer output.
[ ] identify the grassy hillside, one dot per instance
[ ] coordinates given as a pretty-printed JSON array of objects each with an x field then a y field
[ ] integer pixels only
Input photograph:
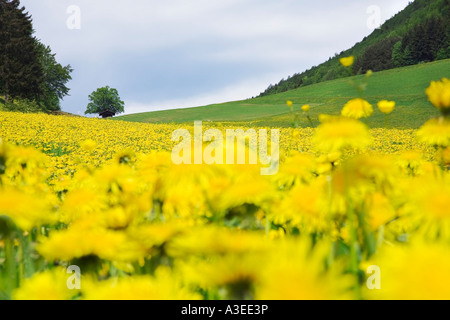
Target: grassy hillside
[
  {"x": 376, "y": 51},
  {"x": 404, "y": 85}
]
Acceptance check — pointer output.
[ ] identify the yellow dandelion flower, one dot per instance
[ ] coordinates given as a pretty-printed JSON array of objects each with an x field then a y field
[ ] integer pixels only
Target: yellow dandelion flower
[
  {"x": 299, "y": 167},
  {"x": 338, "y": 133},
  {"x": 164, "y": 286},
  {"x": 302, "y": 208},
  {"x": 305, "y": 108},
  {"x": 386, "y": 106},
  {"x": 435, "y": 132},
  {"x": 439, "y": 94},
  {"x": 79, "y": 242},
  {"x": 295, "y": 272},
  {"x": 347, "y": 61},
  {"x": 126, "y": 156},
  {"x": 233, "y": 276},
  {"x": 24, "y": 158},
  {"x": 88, "y": 145},
  {"x": 357, "y": 108},
  {"x": 429, "y": 203},
  {"x": 155, "y": 236},
  {"x": 411, "y": 161},
  {"x": 80, "y": 203},
  {"x": 26, "y": 210},
  {"x": 415, "y": 271},
  {"x": 379, "y": 210},
  {"x": 47, "y": 285},
  {"x": 213, "y": 240},
  {"x": 373, "y": 169}
]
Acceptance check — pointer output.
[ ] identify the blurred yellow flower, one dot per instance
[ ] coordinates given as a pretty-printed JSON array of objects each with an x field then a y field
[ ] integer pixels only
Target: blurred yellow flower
[
  {"x": 379, "y": 210},
  {"x": 305, "y": 108},
  {"x": 302, "y": 276},
  {"x": 163, "y": 286},
  {"x": 415, "y": 271},
  {"x": 289, "y": 103},
  {"x": 88, "y": 145},
  {"x": 26, "y": 210},
  {"x": 348, "y": 61},
  {"x": 78, "y": 242},
  {"x": 435, "y": 132},
  {"x": 439, "y": 94},
  {"x": 233, "y": 276},
  {"x": 357, "y": 108},
  {"x": 338, "y": 133},
  {"x": 386, "y": 106},
  {"x": 303, "y": 208},
  {"x": 47, "y": 285}
]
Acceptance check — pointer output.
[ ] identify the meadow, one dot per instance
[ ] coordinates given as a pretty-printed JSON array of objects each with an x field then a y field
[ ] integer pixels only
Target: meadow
[
  {"x": 403, "y": 85},
  {"x": 348, "y": 202}
]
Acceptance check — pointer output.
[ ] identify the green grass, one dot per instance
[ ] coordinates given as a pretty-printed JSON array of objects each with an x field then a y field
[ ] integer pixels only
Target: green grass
[{"x": 405, "y": 85}]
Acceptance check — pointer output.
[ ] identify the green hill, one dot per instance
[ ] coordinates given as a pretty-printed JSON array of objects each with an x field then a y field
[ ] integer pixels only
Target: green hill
[
  {"x": 404, "y": 85},
  {"x": 419, "y": 33}
]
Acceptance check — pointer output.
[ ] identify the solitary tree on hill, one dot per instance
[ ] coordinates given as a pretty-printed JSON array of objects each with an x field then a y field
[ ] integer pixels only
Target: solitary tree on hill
[{"x": 106, "y": 102}]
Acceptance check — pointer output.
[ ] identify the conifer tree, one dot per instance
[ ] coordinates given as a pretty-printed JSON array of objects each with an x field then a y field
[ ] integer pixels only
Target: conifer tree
[{"x": 21, "y": 72}]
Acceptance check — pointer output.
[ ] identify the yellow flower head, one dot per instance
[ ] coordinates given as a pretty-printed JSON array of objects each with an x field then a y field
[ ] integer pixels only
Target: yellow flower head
[
  {"x": 26, "y": 210},
  {"x": 439, "y": 94},
  {"x": 411, "y": 161},
  {"x": 416, "y": 271},
  {"x": 289, "y": 103},
  {"x": 435, "y": 132},
  {"x": 386, "y": 106},
  {"x": 348, "y": 61},
  {"x": 163, "y": 286},
  {"x": 305, "y": 107},
  {"x": 233, "y": 276},
  {"x": 88, "y": 145},
  {"x": 428, "y": 205},
  {"x": 78, "y": 242},
  {"x": 126, "y": 156},
  {"x": 48, "y": 285},
  {"x": 303, "y": 208},
  {"x": 357, "y": 108},
  {"x": 298, "y": 168},
  {"x": 295, "y": 272},
  {"x": 338, "y": 133},
  {"x": 379, "y": 210},
  {"x": 217, "y": 241}
]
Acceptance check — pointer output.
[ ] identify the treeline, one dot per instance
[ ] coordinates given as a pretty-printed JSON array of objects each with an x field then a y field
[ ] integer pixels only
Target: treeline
[
  {"x": 30, "y": 76},
  {"x": 420, "y": 33},
  {"x": 426, "y": 42}
]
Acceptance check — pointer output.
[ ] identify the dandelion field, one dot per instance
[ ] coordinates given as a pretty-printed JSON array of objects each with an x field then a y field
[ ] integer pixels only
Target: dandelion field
[{"x": 105, "y": 196}]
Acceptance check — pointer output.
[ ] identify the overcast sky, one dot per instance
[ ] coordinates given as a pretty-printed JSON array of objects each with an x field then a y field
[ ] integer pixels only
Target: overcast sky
[{"x": 166, "y": 54}]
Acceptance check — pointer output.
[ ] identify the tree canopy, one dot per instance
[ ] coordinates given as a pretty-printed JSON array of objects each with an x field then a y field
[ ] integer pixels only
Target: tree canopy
[
  {"x": 28, "y": 68},
  {"x": 55, "y": 78},
  {"x": 21, "y": 72},
  {"x": 105, "y": 99}
]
